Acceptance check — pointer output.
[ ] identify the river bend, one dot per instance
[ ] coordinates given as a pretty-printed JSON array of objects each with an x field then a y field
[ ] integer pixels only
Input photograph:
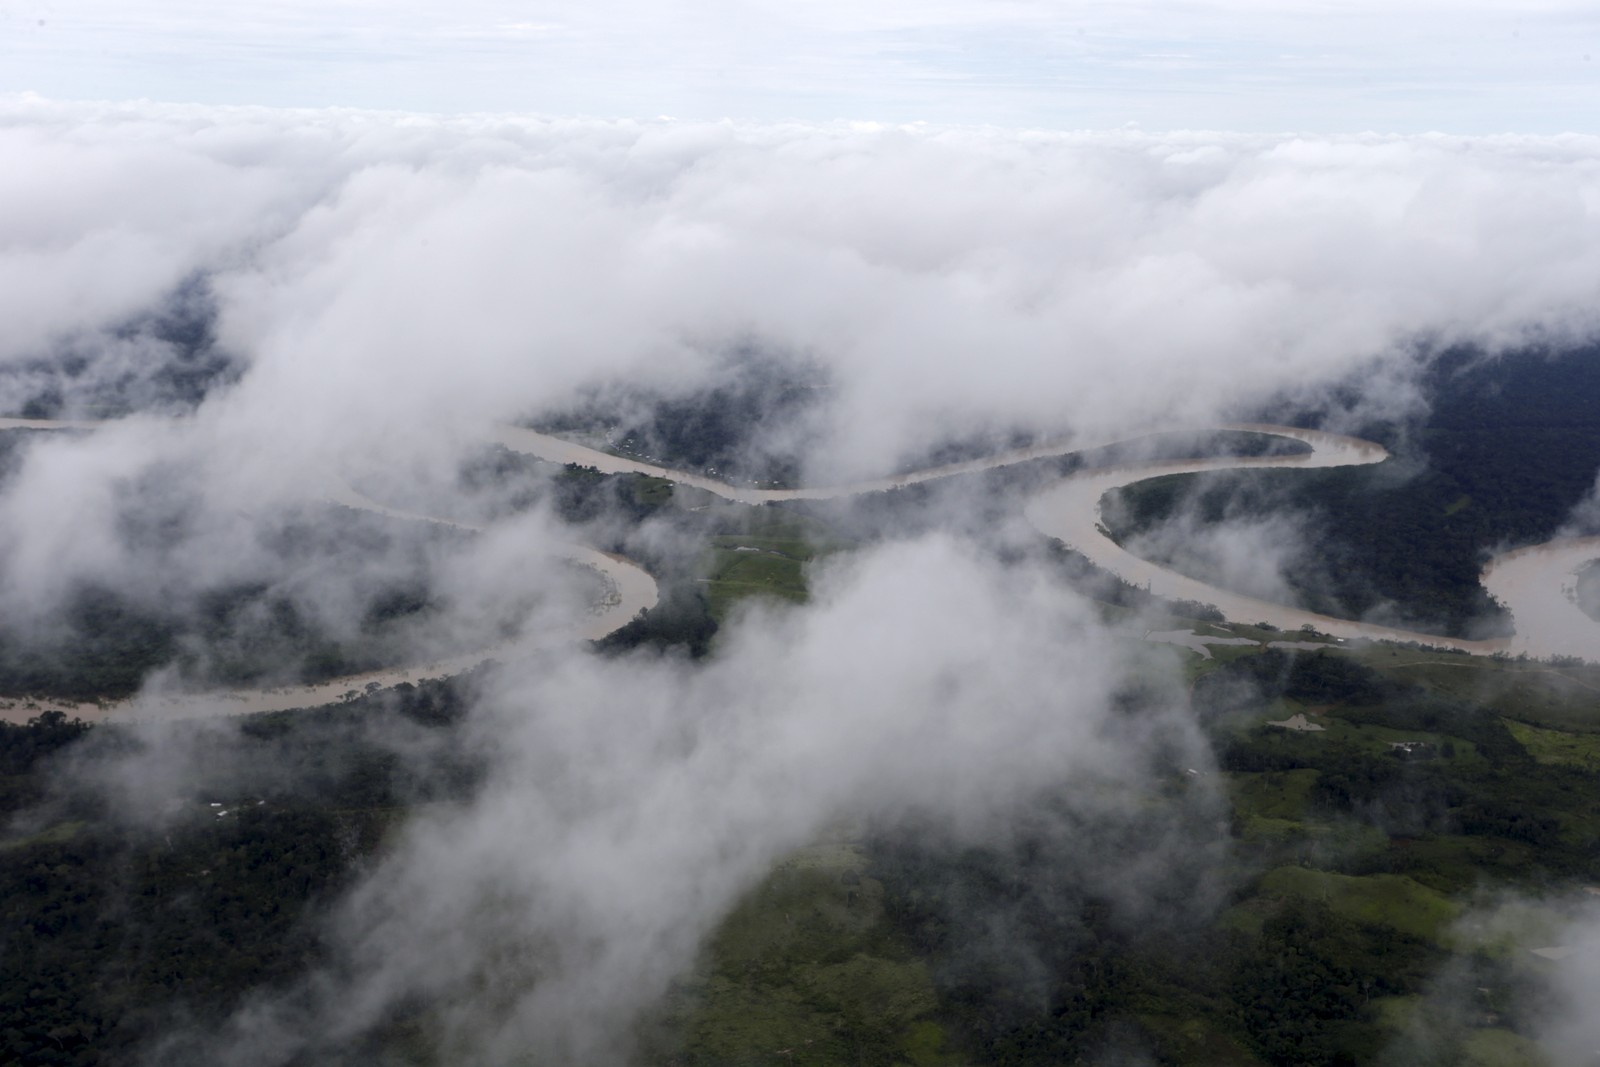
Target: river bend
[{"x": 1535, "y": 584}]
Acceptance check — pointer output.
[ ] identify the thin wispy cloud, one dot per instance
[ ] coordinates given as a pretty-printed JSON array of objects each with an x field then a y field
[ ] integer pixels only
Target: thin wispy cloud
[{"x": 1255, "y": 66}]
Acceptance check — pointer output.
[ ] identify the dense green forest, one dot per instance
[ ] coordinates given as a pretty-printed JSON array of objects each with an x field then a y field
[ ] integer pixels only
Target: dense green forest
[
  {"x": 1507, "y": 449},
  {"x": 115, "y": 931},
  {"x": 103, "y": 641},
  {"x": 163, "y": 360},
  {"x": 1314, "y": 924},
  {"x": 1296, "y": 903},
  {"x": 753, "y": 425}
]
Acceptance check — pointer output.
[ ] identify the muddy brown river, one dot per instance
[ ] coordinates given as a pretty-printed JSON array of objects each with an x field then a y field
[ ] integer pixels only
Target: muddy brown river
[{"x": 1535, "y": 584}]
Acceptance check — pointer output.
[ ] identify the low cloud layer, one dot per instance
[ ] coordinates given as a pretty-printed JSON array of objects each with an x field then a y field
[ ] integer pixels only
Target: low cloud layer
[
  {"x": 631, "y": 800},
  {"x": 942, "y": 277},
  {"x": 383, "y": 288},
  {"x": 1249, "y": 556},
  {"x": 1573, "y": 1033}
]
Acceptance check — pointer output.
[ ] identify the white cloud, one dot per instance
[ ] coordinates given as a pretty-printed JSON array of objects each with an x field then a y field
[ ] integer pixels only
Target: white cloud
[
  {"x": 633, "y": 800},
  {"x": 396, "y": 283}
]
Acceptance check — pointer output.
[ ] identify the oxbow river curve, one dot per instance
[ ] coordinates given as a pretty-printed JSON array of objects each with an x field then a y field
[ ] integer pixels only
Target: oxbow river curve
[
  {"x": 1535, "y": 583},
  {"x": 629, "y": 591}
]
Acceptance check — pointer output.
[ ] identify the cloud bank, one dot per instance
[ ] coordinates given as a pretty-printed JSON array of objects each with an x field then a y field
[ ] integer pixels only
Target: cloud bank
[
  {"x": 631, "y": 801},
  {"x": 385, "y": 287},
  {"x": 481, "y": 268}
]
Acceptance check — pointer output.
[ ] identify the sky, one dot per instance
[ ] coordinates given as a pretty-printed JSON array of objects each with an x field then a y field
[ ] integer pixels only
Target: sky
[{"x": 1324, "y": 66}]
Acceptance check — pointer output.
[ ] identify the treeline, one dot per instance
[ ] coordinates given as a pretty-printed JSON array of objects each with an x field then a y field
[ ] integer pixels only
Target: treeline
[
  {"x": 1108, "y": 588},
  {"x": 681, "y": 620}
]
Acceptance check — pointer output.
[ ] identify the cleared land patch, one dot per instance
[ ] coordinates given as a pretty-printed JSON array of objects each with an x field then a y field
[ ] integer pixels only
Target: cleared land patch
[
  {"x": 1557, "y": 746},
  {"x": 806, "y": 971},
  {"x": 1388, "y": 900}
]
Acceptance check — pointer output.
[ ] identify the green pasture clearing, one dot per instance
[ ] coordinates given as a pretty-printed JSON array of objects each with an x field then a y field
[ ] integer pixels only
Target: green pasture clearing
[
  {"x": 1314, "y": 842},
  {"x": 1246, "y": 917},
  {"x": 1379, "y": 739},
  {"x": 53, "y": 835},
  {"x": 766, "y": 558},
  {"x": 1540, "y": 694},
  {"x": 1467, "y": 1045},
  {"x": 1396, "y": 1013},
  {"x": 1454, "y": 863},
  {"x": 1557, "y": 746},
  {"x": 1494, "y": 1047},
  {"x": 1372, "y": 737},
  {"x": 647, "y": 489},
  {"x": 806, "y": 971},
  {"x": 774, "y": 520},
  {"x": 735, "y": 575},
  {"x": 1566, "y": 698},
  {"x": 1278, "y": 795},
  {"x": 1388, "y": 900},
  {"x": 1514, "y": 927},
  {"x": 793, "y": 547}
]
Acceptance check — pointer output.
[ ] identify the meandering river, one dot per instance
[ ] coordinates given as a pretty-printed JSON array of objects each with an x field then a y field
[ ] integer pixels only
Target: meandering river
[
  {"x": 629, "y": 591},
  {"x": 1535, "y": 584}
]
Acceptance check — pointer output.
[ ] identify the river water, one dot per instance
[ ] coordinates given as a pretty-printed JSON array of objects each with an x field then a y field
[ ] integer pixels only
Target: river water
[
  {"x": 629, "y": 590},
  {"x": 1535, "y": 584}
]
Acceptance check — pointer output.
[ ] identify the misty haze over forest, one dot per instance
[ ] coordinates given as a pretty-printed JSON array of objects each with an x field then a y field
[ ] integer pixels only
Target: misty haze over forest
[{"x": 488, "y": 585}]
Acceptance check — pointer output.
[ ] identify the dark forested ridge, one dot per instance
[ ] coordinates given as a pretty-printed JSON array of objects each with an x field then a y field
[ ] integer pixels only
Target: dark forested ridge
[
  {"x": 751, "y": 426},
  {"x": 164, "y": 360},
  {"x": 119, "y": 929},
  {"x": 1509, "y": 446},
  {"x": 103, "y": 641}
]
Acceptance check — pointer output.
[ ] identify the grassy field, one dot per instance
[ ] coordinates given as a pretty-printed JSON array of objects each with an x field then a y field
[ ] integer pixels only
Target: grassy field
[
  {"x": 1566, "y": 698},
  {"x": 1388, "y": 900},
  {"x": 1494, "y": 1047},
  {"x": 1372, "y": 737},
  {"x": 806, "y": 972},
  {"x": 1557, "y": 746},
  {"x": 1559, "y": 698},
  {"x": 1274, "y": 794},
  {"x": 768, "y": 558},
  {"x": 647, "y": 489},
  {"x": 736, "y": 573},
  {"x": 61, "y": 831}
]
